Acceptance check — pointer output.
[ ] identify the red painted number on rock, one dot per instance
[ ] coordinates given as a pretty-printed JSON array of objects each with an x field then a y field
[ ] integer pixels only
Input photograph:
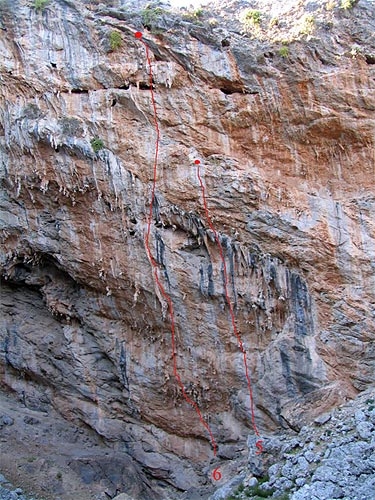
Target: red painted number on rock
[
  {"x": 259, "y": 445},
  {"x": 217, "y": 474}
]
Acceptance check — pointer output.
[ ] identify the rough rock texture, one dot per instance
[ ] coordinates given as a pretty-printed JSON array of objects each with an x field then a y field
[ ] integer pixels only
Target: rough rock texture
[
  {"x": 8, "y": 492},
  {"x": 287, "y": 151},
  {"x": 323, "y": 462}
]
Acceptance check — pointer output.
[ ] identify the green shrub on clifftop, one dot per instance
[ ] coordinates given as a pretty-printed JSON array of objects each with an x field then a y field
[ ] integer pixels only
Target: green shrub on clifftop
[
  {"x": 194, "y": 15},
  {"x": 150, "y": 18},
  {"x": 347, "y": 4},
  {"x": 250, "y": 18},
  {"x": 40, "y": 4},
  {"x": 307, "y": 25},
  {"x": 274, "y": 22}
]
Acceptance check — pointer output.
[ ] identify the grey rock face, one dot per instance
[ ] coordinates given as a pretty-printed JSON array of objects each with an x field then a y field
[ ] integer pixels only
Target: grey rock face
[
  {"x": 318, "y": 490},
  {"x": 287, "y": 145},
  {"x": 321, "y": 463},
  {"x": 7, "y": 492},
  {"x": 123, "y": 496},
  {"x": 223, "y": 492},
  {"x": 322, "y": 419},
  {"x": 6, "y": 420},
  {"x": 365, "y": 429}
]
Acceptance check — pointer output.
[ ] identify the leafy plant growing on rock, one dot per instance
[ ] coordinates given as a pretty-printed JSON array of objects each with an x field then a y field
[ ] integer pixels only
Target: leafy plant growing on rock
[
  {"x": 151, "y": 17},
  {"x": 115, "y": 40},
  {"x": 330, "y": 5},
  {"x": 347, "y": 4},
  {"x": 194, "y": 15},
  {"x": 213, "y": 22},
  {"x": 307, "y": 25},
  {"x": 284, "y": 51},
  {"x": 40, "y": 4},
  {"x": 355, "y": 51},
  {"x": 370, "y": 403},
  {"x": 97, "y": 144},
  {"x": 258, "y": 492},
  {"x": 274, "y": 22},
  {"x": 251, "y": 18},
  {"x": 197, "y": 13}
]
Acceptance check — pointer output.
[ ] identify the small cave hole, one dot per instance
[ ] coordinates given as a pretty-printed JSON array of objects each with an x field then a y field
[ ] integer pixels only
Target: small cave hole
[
  {"x": 114, "y": 102},
  {"x": 132, "y": 232},
  {"x": 370, "y": 59},
  {"x": 145, "y": 86},
  {"x": 133, "y": 220},
  {"x": 225, "y": 43},
  {"x": 53, "y": 65},
  {"x": 79, "y": 91},
  {"x": 228, "y": 91},
  {"x": 57, "y": 149}
]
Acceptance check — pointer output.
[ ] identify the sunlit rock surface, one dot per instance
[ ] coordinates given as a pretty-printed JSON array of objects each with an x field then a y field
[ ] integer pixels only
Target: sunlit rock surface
[{"x": 287, "y": 151}]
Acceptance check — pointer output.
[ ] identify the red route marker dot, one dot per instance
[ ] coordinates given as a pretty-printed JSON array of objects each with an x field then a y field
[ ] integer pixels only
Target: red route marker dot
[
  {"x": 138, "y": 34},
  {"x": 197, "y": 162},
  {"x": 217, "y": 474}
]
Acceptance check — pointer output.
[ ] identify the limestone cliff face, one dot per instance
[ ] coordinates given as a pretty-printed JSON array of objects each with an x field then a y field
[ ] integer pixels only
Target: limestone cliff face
[{"x": 288, "y": 161}]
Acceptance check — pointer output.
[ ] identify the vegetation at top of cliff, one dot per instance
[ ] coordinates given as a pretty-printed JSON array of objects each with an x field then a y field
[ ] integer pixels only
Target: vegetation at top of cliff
[
  {"x": 151, "y": 17},
  {"x": 306, "y": 25},
  {"x": 347, "y": 4},
  {"x": 274, "y": 22},
  {"x": 250, "y": 18},
  {"x": 115, "y": 40},
  {"x": 194, "y": 15},
  {"x": 330, "y": 5},
  {"x": 40, "y": 4},
  {"x": 262, "y": 26}
]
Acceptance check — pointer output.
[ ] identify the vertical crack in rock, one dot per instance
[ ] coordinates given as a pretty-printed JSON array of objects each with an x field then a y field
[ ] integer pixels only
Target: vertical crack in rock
[{"x": 123, "y": 367}]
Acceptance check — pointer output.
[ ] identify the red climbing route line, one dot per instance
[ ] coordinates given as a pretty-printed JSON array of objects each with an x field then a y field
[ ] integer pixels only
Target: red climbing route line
[
  {"x": 231, "y": 312},
  {"x": 155, "y": 266}
]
